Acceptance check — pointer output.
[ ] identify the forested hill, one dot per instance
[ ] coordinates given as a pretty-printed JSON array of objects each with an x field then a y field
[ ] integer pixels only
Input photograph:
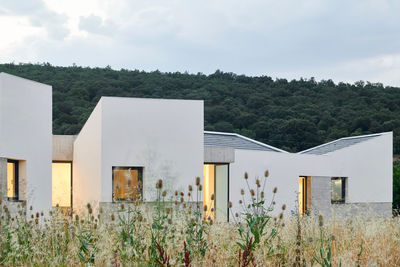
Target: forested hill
[{"x": 292, "y": 115}]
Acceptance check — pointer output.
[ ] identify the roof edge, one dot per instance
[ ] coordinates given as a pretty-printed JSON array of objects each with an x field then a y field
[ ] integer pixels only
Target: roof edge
[
  {"x": 343, "y": 138},
  {"x": 248, "y": 139}
]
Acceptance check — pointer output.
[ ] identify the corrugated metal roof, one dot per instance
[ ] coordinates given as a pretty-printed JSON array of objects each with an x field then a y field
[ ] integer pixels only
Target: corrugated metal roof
[
  {"x": 236, "y": 141},
  {"x": 338, "y": 144}
]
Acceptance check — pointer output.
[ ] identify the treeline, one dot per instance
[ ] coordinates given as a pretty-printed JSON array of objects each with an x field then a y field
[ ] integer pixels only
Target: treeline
[{"x": 292, "y": 115}]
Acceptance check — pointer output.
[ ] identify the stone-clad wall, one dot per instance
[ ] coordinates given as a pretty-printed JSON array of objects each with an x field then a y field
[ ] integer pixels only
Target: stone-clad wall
[
  {"x": 321, "y": 202},
  {"x": 321, "y": 195}
]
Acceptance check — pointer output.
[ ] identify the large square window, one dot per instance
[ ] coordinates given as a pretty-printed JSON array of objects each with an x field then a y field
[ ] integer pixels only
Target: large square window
[
  {"x": 12, "y": 179},
  {"x": 338, "y": 189},
  {"x": 127, "y": 183}
]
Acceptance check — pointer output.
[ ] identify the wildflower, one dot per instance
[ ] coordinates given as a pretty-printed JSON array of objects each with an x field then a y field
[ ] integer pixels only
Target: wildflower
[
  {"x": 159, "y": 184},
  {"x": 275, "y": 190},
  {"x": 246, "y": 175},
  {"x": 200, "y": 188},
  {"x": 252, "y": 192},
  {"x": 266, "y": 174},
  {"x": 164, "y": 193},
  {"x": 190, "y": 188},
  {"x": 212, "y": 209},
  {"x": 258, "y": 182},
  {"x": 230, "y": 204},
  {"x": 240, "y": 201},
  {"x": 37, "y": 214},
  {"x": 197, "y": 181},
  {"x": 283, "y": 207},
  {"x": 283, "y": 224},
  {"x": 176, "y": 193},
  {"x": 212, "y": 197},
  {"x": 182, "y": 194},
  {"x": 321, "y": 220},
  {"x": 242, "y": 191}
]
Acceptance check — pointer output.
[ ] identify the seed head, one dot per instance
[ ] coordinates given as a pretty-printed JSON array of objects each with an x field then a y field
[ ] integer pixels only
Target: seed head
[
  {"x": 190, "y": 188},
  {"x": 200, "y": 187},
  {"x": 266, "y": 174},
  {"x": 197, "y": 181},
  {"x": 112, "y": 217},
  {"x": 205, "y": 208},
  {"x": 181, "y": 199},
  {"x": 182, "y": 194},
  {"x": 246, "y": 175},
  {"x": 176, "y": 202},
  {"x": 122, "y": 206},
  {"x": 275, "y": 190},
  {"x": 262, "y": 194},
  {"x": 37, "y": 214},
  {"x": 252, "y": 192},
  {"x": 159, "y": 184},
  {"x": 242, "y": 191},
  {"x": 240, "y": 201},
  {"x": 280, "y": 216},
  {"x": 212, "y": 197},
  {"x": 258, "y": 182},
  {"x": 176, "y": 193},
  {"x": 230, "y": 205},
  {"x": 164, "y": 193},
  {"x": 283, "y": 207}
]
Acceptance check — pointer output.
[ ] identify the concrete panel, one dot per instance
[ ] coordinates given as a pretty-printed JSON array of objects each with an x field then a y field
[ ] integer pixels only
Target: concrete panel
[
  {"x": 63, "y": 147},
  {"x": 213, "y": 154},
  {"x": 321, "y": 195}
]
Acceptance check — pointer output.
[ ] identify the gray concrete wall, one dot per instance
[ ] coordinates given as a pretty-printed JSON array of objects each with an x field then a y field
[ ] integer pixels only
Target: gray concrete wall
[
  {"x": 63, "y": 147},
  {"x": 214, "y": 154},
  {"x": 383, "y": 209},
  {"x": 3, "y": 179}
]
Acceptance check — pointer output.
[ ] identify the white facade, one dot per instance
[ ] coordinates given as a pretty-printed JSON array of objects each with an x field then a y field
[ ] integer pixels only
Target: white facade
[
  {"x": 165, "y": 140},
  {"x": 164, "y": 137},
  {"x": 26, "y": 136}
]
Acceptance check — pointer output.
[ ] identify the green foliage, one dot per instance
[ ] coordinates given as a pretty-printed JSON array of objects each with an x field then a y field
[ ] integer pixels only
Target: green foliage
[{"x": 292, "y": 115}]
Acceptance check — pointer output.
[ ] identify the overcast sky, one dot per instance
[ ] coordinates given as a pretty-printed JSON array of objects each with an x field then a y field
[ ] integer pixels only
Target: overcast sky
[{"x": 340, "y": 40}]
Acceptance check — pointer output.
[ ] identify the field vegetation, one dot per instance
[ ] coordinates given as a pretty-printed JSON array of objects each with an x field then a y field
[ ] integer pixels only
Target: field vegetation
[{"x": 178, "y": 231}]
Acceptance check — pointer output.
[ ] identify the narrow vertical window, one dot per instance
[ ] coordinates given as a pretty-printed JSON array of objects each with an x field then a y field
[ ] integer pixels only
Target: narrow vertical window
[
  {"x": 127, "y": 183},
  {"x": 12, "y": 179},
  {"x": 338, "y": 192}
]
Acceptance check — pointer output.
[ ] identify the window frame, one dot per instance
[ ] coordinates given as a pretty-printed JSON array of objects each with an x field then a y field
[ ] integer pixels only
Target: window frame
[
  {"x": 343, "y": 181},
  {"x": 16, "y": 180},
  {"x": 140, "y": 179}
]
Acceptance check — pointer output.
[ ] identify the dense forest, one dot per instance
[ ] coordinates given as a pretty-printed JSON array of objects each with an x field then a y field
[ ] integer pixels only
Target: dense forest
[{"x": 291, "y": 115}]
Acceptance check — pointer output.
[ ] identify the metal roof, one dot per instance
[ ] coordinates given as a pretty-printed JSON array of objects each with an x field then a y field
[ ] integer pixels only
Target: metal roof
[
  {"x": 338, "y": 144},
  {"x": 236, "y": 141}
]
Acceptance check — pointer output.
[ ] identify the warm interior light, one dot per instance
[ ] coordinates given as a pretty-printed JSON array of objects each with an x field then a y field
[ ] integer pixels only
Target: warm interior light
[
  {"x": 209, "y": 190},
  {"x": 11, "y": 179},
  {"x": 301, "y": 195},
  {"x": 126, "y": 184},
  {"x": 61, "y": 184}
]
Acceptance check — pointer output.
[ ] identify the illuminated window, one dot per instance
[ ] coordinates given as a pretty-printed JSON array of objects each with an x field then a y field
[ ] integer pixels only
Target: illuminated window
[
  {"x": 61, "y": 184},
  {"x": 338, "y": 189},
  {"x": 127, "y": 183},
  {"x": 12, "y": 179}
]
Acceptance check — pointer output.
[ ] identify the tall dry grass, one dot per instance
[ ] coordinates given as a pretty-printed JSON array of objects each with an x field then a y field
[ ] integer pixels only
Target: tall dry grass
[{"x": 176, "y": 233}]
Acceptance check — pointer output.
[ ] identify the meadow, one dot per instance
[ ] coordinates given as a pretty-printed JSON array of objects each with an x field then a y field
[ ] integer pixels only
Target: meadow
[{"x": 177, "y": 231}]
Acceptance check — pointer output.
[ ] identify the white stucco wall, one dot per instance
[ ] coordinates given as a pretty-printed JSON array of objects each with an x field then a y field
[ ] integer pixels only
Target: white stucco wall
[
  {"x": 26, "y": 134},
  {"x": 368, "y": 166},
  {"x": 86, "y": 168},
  {"x": 284, "y": 171},
  {"x": 163, "y": 136}
]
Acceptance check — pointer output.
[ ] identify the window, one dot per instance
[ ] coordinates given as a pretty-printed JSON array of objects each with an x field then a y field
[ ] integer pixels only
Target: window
[
  {"x": 61, "y": 184},
  {"x": 127, "y": 183},
  {"x": 338, "y": 189},
  {"x": 12, "y": 179}
]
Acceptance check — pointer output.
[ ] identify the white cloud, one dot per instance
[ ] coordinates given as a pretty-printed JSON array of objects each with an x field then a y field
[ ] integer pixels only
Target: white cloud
[{"x": 339, "y": 40}]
